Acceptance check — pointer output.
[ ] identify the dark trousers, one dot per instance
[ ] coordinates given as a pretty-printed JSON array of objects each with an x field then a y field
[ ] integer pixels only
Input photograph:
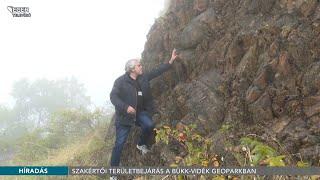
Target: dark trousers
[{"x": 122, "y": 132}]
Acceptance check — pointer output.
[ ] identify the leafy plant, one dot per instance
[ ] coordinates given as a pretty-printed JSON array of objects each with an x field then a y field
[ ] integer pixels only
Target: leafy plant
[
  {"x": 260, "y": 153},
  {"x": 302, "y": 164},
  {"x": 196, "y": 146},
  {"x": 276, "y": 161}
]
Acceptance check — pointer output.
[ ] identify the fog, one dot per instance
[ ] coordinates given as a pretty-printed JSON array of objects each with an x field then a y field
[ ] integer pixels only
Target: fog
[{"x": 87, "y": 40}]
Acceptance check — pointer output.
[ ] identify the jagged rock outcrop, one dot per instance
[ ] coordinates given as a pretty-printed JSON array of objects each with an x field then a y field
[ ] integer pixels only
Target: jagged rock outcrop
[{"x": 254, "y": 64}]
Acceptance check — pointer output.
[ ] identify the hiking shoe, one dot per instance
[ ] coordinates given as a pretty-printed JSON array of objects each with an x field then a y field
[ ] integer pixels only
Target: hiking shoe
[
  {"x": 143, "y": 149},
  {"x": 113, "y": 178}
]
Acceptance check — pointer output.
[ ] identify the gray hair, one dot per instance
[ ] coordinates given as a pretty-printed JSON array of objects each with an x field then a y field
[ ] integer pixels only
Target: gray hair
[{"x": 130, "y": 65}]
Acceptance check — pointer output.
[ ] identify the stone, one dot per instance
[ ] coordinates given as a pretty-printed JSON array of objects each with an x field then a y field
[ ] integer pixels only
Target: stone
[
  {"x": 253, "y": 94},
  {"x": 311, "y": 100},
  {"x": 259, "y": 6},
  {"x": 261, "y": 109},
  {"x": 197, "y": 30},
  {"x": 312, "y": 110},
  {"x": 274, "y": 49},
  {"x": 253, "y": 64},
  {"x": 284, "y": 66},
  {"x": 201, "y": 5},
  {"x": 280, "y": 124}
]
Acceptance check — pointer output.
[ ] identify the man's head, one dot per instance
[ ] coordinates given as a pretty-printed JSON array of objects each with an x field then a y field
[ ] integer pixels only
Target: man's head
[{"x": 134, "y": 66}]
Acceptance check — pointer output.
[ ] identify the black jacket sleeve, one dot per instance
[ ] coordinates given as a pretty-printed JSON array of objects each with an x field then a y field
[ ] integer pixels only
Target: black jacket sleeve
[
  {"x": 115, "y": 98},
  {"x": 158, "y": 71}
]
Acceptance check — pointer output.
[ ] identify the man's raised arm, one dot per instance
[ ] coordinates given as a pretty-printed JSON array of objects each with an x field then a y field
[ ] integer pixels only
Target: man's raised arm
[{"x": 163, "y": 67}]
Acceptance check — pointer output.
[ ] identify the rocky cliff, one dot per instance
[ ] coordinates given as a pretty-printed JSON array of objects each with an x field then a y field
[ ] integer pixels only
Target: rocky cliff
[{"x": 251, "y": 64}]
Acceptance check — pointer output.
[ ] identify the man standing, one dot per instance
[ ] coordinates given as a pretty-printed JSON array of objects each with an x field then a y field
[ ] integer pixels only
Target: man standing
[{"x": 132, "y": 98}]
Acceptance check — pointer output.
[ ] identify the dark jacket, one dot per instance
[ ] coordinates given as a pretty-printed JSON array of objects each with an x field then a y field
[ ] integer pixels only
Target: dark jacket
[{"x": 124, "y": 94}]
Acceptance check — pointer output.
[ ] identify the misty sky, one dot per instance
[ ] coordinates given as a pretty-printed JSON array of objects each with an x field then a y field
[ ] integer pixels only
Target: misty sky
[{"x": 88, "y": 39}]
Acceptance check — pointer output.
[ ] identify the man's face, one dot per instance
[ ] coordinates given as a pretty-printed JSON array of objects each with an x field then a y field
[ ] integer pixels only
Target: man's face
[{"x": 137, "y": 68}]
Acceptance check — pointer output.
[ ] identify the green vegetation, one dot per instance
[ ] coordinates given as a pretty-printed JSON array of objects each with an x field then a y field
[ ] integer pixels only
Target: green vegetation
[
  {"x": 196, "y": 146},
  {"x": 249, "y": 151},
  {"x": 259, "y": 153},
  {"x": 52, "y": 123},
  {"x": 65, "y": 129}
]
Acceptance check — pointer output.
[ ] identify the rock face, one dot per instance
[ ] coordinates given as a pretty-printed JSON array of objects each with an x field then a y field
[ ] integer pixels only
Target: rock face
[{"x": 254, "y": 64}]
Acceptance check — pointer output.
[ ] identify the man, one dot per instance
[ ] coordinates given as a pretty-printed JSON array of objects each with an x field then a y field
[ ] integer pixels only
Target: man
[{"x": 131, "y": 96}]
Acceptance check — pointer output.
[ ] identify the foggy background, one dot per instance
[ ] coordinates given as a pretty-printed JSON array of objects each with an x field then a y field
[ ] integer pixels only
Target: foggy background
[
  {"x": 87, "y": 40},
  {"x": 57, "y": 70}
]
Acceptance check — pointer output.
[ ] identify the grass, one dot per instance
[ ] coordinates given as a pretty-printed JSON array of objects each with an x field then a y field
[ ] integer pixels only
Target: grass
[{"x": 90, "y": 150}]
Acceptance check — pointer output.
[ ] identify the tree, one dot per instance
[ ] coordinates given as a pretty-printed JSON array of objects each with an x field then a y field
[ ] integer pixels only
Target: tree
[
  {"x": 10, "y": 130},
  {"x": 69, "y": 125},
  {"x": 5, "y": 116},
  {"x": 36, "y": 101}
]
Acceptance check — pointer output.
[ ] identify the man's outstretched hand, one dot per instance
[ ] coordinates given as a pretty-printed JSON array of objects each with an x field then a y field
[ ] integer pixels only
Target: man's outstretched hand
[{"x": 174, "y": 56}]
